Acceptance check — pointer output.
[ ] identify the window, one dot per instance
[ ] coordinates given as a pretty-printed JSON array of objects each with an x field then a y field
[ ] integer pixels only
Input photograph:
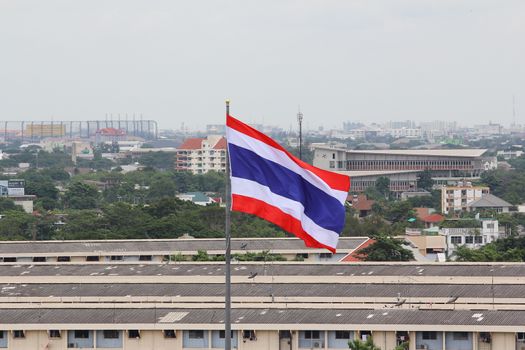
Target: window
[
  {"x": 223, "y": 333},
  {"x": 169, "y": 333},
  {"x": 81, "y": 334},
  {"x": 64, "y": 258},
  {"x": 92, "y": 258},
  {"x": 478, "y": 239},
  {"x": 325, "y": 255},
  {"x": 9, "y": 259},
  {"x": 111, "y": 334},
  {"x": 520, "y": 337},
  {"x": 133, "y": 333},
  {"x": 342, "y": 335},
  {"x": 250, "y": 334},
  {"x": 54, "y": 333},
  {"x": 39, "y": 259},
  {"x": 332, "y": 164},
  {"x": 1, "y": 334},
  {"x": 469, "y": 239},
  {"x": 145, "y": 258},
  {"x": 198, "y": 334},
  {"x": 333, "y": 155},
  {"x": 19, "y": 334},
  {"x": 490, "y": 226},
  {"x": 312, "y": 335},
  {"x": 455, "y": 239},
  {"x": 116, "y": 258},
  {"x": 429, "y": 336},
  {"x": 460, "y": 336}
]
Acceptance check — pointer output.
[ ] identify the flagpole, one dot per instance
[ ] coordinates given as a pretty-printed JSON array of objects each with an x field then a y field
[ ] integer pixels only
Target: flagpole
[{"x": 227, "y": 228}]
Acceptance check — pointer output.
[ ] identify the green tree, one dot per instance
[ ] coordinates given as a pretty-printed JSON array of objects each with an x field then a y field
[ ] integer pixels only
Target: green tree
[
  {"x": 16, "y": 225},
  {"x": 7, "y": 204},
  {"x": 383, "y": 186},
  {"x": 424, "y": 180},
  {"x": 81, "y": 196},
  {"x": 387, "y": 249},
  {"x": 362, "y": 345}
]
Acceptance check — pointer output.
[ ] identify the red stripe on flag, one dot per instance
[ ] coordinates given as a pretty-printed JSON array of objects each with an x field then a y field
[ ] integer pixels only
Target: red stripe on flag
[
  {"x": 334, "y": 180},
  {"x": 276, "y": 216}
]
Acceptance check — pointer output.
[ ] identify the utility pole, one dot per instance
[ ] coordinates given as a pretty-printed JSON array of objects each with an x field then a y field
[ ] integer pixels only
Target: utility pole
[
  {"x": 300, "y": 121},
  {"x": 227, "y": 257}
]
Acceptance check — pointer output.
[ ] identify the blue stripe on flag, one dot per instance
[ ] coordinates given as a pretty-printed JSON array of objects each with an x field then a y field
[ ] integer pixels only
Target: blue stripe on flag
[{"x": 325, "y": 210}]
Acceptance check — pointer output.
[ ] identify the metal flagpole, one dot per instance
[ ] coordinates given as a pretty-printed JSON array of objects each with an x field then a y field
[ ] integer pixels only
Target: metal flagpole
[{"x": 227, "y": 227}]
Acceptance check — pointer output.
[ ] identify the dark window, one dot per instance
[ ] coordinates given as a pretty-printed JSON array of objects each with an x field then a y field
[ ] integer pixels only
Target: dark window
[
  {"x": 145, "y": 258},
  {"x": 478, "y": 239},
  {"x": 460, "y": 336},
  {"x": 469, "y": 240},
  {"x": 92, "y": 258},
  {"x": 19, "y": 334},
  {"x": 455, "y": 239},
  {"x": 197, "y": 334},
  {"x": 249, "y": 334},
  {"x": 311, "y": 335},
  {"x": 325, "y": 255},
  {"x": 342, "y": 335},
  {"x": 303, "y": 255},
  {"x": 133, "y": 333},
  {"x": 223, "y": 333},
  {"x": 63, "y": 258},
  {"x": 39, "y": 259},
  {"x": 54, "y": 333},
  {"x": 169, "y": 333},
  {"x": 116, "y": 258},
  {"x": 1, "y": 334},
  {"x": 9, "y": 259},
  {"x": 82, "y": 334},
  {"x": 429, "y": 336},
  {"x": 111, "y": 334}
]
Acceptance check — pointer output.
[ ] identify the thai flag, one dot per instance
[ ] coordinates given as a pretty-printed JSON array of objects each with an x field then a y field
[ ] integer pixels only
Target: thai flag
[{"x": 267, "y": 181}]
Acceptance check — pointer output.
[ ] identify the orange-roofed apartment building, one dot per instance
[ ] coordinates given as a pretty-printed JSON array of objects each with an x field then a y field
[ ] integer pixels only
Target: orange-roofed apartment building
[{"x": 200, "y": 155}]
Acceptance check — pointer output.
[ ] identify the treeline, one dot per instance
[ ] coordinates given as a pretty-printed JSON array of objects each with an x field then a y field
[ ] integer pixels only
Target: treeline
[
  {"x": 505, "y": 249},
  {"x": 163, "y": 218}
]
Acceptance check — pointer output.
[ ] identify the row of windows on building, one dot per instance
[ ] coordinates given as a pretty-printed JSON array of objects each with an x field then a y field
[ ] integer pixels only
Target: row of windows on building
[
  {"x": 190, "y": 338},
  {"x": 468, "y": 239},
  {"x": 91, "y": 258},
  {"x": 412, "y": 164}
]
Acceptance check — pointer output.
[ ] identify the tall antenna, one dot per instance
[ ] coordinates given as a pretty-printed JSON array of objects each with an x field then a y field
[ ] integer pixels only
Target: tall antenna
[{"x": 300, "y": 121}]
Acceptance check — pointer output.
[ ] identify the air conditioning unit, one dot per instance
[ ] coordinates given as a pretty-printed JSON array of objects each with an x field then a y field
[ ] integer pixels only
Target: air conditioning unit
[
  {"x": 72, "y": 345},
  {"x": 317, "y": 345}
]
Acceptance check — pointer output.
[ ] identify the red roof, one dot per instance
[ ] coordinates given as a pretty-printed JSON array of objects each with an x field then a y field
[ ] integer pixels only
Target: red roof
[
  {"x": 111, "y": 132},
  {"x": 192, "y": 143},
  {"x": 433, "y": 218},
  {"x": 355, "y": 255},
  {"x": 424, "y": 215},
  {"x": 221, "y": 144},
  {"x": 361, "y": 202}
]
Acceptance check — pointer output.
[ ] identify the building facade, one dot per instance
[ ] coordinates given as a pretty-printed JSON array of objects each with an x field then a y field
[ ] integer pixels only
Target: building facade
[
  {"x": 200, "y": 155},
  {"x": 457, "y": 198},
  {"x": 445, "y": 165},
  {"x": 275, "y": 306}
]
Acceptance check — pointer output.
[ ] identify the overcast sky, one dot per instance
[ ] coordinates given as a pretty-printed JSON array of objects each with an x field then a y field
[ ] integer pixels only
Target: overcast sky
[{"x": 176, "y": 61}]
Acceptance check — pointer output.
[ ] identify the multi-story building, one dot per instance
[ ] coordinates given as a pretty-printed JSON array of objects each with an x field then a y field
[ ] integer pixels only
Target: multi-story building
[
  {"x": 277, "y": 306},
  {"x": 200, "y": 155},
  {"x": 457, "y": 198},
  {"x": 487, "y": 231},
  {"x": 447, "y": 165}
]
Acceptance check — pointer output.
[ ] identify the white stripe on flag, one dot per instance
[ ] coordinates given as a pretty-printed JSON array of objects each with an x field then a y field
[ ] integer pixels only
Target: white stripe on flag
[
  {"x": 255, "y": 190},
  {"x": 277, "y": 156}
]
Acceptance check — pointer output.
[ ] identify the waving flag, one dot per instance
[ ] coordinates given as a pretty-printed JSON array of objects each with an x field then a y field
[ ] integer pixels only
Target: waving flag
[{"x": 267, "y": 181}]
